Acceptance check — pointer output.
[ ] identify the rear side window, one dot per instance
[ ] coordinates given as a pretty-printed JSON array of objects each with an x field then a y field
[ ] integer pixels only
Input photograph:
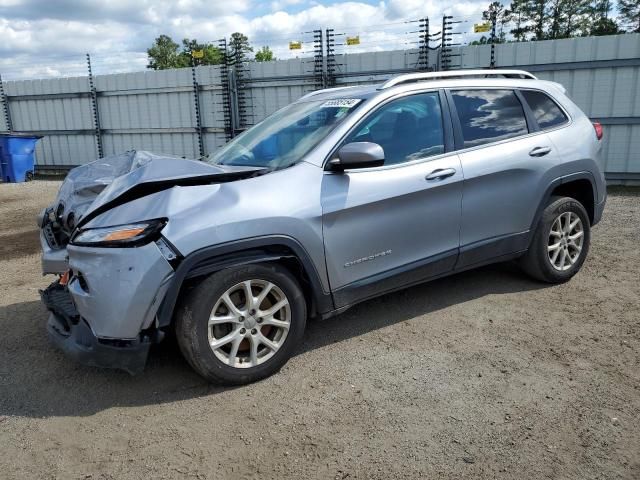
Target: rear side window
[
  {"x": 489, "y": 115},
  {"x": 546, "y": 112}
]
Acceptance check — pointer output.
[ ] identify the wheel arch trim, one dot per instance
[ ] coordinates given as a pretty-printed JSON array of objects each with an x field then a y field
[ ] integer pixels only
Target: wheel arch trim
[
  {"x": 247, "y": 251},
  {"x": 584, "y": 175}
]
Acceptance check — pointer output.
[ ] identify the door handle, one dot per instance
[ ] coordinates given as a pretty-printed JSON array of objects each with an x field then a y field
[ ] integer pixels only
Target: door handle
[
  {"x": 441, "y": 174},
  {"x": 539, "y": 151}
]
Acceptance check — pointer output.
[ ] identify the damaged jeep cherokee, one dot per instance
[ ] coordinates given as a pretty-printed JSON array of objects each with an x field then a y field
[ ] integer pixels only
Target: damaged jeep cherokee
[{"x": 346, "y": 194}]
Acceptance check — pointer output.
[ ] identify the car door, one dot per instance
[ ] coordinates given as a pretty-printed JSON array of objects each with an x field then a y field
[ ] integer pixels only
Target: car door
[
  {"x": 504, "y": 158},
  {"x": 389, "y": 226}
]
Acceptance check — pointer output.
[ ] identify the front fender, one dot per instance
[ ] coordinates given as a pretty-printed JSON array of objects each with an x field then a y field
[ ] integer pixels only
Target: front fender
[{"x": 241, "y": 252}]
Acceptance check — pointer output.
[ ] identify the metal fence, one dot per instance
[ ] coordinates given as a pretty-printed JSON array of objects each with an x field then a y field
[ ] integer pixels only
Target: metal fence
[{"x": 190, "y": 112}]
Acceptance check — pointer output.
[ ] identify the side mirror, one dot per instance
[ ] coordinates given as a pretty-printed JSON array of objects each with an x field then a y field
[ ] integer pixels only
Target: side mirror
[{"x": 358, "y": 155}]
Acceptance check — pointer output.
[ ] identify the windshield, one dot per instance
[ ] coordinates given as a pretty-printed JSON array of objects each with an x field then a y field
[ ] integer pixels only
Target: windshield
[{"x": 285, "y": 137}]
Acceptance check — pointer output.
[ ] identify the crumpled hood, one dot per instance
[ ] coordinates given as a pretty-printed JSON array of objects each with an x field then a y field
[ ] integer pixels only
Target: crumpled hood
[{"x": 98, "y": 186}]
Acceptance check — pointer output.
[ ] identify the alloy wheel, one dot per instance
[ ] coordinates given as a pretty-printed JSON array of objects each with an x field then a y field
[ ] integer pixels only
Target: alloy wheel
[
  {"x": 249, "y": 323},
  {"x": 565, "y": 242}
]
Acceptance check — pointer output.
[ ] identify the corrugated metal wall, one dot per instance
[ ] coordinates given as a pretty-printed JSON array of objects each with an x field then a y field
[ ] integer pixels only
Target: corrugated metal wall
[
  {"x": 273, "y": 85},
  {"x": 156, "y": 110},
  {"x": 142, "y": 110},
  {"x": 53, "y": 105}
]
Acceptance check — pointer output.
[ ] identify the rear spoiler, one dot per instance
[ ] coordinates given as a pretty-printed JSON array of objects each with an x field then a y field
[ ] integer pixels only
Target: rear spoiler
[{"x": 557, "y": 86}]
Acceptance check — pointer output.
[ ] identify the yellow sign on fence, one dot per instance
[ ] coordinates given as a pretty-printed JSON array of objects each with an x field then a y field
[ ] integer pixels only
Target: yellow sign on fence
[
  {"x": 295, "y": 45},
  {"x": 197, "y": 53},
  {"x": 481, "y": 27},
  {"x": 353, "y": 40}
]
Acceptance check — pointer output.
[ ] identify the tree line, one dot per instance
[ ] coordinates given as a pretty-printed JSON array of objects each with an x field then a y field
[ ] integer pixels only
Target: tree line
[
  {"x": 527, "y": 20},
  {"x": 166, "y": 53}
]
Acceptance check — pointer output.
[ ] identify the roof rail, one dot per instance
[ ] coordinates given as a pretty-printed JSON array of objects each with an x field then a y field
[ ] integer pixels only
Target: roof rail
[{"x": 418, "y": 77}]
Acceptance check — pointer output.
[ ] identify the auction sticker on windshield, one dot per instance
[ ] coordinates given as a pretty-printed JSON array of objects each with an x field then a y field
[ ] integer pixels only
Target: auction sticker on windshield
[{"x": 341, "y": 102}]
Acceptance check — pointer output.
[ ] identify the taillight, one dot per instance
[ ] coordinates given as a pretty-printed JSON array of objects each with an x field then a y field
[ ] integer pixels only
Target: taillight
[{"x": 598, "y": 128}]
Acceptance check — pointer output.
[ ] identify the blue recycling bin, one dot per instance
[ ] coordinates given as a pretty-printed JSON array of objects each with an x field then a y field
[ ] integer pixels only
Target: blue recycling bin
[{"x": 16, "y": 156}]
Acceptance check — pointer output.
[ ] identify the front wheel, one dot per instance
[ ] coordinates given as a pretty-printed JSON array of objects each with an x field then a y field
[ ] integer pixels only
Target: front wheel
[
  {"x": 241, "y": 324},
  {"x": 560, "y": 243}
]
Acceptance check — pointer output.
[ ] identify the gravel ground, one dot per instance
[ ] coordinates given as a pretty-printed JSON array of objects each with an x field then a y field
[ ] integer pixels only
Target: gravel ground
[{"x": 485, "y": 374}]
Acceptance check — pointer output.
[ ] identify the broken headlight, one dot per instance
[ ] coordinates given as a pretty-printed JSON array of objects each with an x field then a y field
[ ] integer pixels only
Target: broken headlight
[{"x": 130, "y": 235}]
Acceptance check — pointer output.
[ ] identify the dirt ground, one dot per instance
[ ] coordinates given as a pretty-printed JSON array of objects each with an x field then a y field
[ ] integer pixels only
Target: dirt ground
[{"x": 485, "y": 374}]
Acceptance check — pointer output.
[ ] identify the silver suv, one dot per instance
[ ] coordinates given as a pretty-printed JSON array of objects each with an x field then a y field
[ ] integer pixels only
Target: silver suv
[{"x": 346, "y": 194}]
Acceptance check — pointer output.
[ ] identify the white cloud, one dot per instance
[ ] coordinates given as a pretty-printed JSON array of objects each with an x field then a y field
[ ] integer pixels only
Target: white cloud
[
  {"x": 126, "y": 11},
  {"x": 283, "y": 4},
  {"x": 51, "y": 37},
  {"x": 46, "y": 37}
]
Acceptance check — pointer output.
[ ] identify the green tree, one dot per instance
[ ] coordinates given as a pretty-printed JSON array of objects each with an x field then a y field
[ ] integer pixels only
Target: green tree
[
  {"x": 483, "y": 41},
  {"x": 630, "y": 12},
  {"x": 568, "y": 18},
  {"x": 538, "y": 14},
  {"x": 556, "y": 17},
  {"x": 265, "y": 54},
  {"x": 605, "y": 26},
  {"x": 601, "y": 24},
  {"x": 578, "y": 18},
  {"x": 164, "y": 54},
  {"x": 502, "y": 16},
  {"x": 212, "y": 55},
  {"x": 239, "y": 47},
  {"x": 519, "y": 18}
]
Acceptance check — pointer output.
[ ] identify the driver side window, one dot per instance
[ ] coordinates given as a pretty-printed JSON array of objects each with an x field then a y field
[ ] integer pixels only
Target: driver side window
[{"x": 409, "y": 128}]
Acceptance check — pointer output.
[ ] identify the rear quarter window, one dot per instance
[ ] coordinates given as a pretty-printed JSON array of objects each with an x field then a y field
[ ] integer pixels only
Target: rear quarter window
[{"x": 546, "y": 112}]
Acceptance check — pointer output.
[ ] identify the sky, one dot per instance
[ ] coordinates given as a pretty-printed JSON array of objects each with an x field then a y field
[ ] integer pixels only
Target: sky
[{"x": 45, "y": 38}]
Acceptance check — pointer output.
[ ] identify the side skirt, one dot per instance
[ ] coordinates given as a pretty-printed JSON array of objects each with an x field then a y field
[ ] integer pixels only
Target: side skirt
[
  {"x": 499, "y": 249},
  {"x": 489, "y": 250},
  {"x": 395, "y": 279}
]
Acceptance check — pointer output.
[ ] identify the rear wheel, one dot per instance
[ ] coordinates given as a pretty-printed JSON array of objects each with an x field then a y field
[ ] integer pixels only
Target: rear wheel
[
  {"x": 241, "y": 324},
  {"x": 560, "y": 243}
]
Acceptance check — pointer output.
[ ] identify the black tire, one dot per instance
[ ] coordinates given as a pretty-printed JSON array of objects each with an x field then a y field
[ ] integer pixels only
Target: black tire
[
  {"x": 193, "y": 315},
  {"x": 536, "y": 261}
]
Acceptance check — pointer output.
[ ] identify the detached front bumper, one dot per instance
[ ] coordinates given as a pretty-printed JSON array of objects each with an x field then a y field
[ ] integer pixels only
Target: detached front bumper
[
  {"x": 104, "y": 315},
  {"x": 118, "y": 290},
  {"x": 72, "y": 334}
]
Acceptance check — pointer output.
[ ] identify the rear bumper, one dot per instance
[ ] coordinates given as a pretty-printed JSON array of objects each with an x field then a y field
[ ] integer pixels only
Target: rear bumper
[{"x": 72, "y": 334}]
